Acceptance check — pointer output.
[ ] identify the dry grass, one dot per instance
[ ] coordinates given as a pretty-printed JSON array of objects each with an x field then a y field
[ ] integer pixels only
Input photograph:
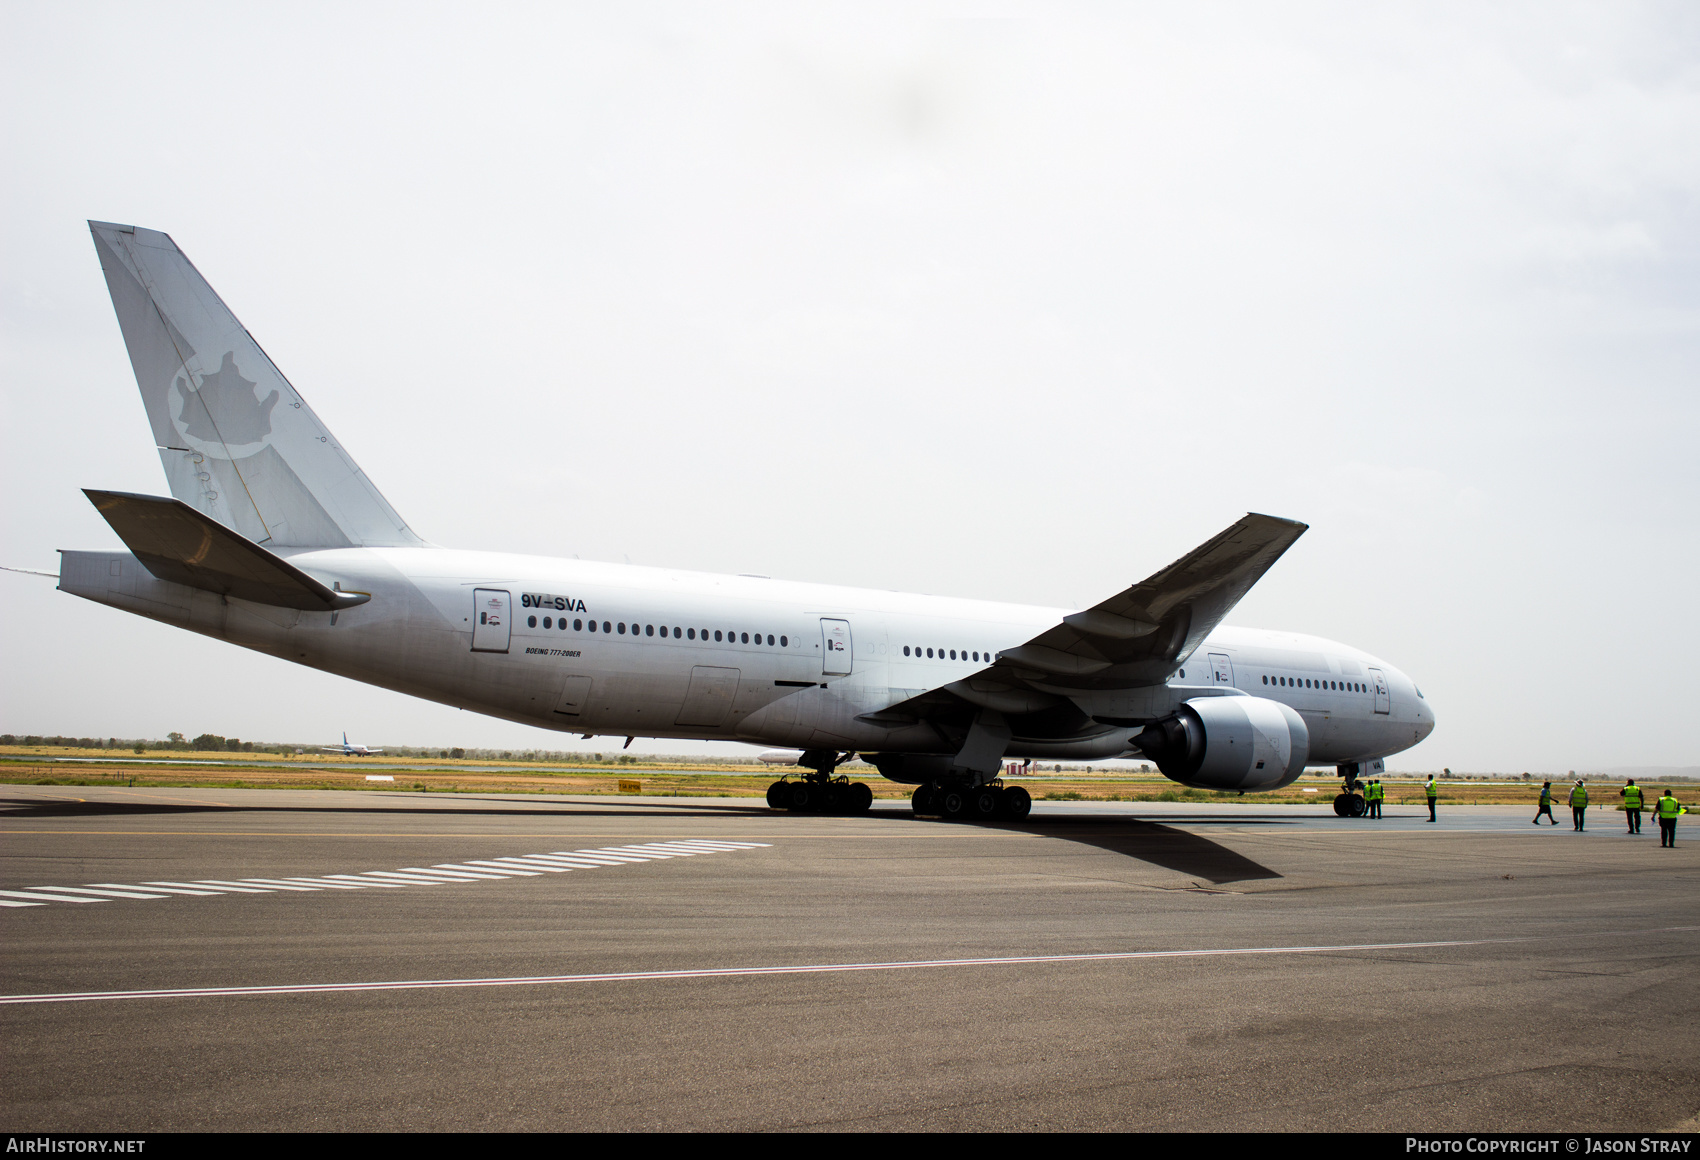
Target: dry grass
[{"x": 335, "y": 771}]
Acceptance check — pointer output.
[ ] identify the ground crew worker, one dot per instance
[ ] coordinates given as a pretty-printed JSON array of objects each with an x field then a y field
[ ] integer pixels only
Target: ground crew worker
[
  {"x": 1377, "y": 791},
  {"x": 1546, "y": 805},
  {"x": 1631, "y": 795},
  {"x": 1668, "y": 810},
  {"x": 1432, "y": 792},
  {"x": 1578, "y": 804}
]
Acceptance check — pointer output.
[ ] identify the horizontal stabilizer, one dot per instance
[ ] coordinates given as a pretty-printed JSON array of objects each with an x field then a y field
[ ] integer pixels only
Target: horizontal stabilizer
[{"x": 181, "y": 545}]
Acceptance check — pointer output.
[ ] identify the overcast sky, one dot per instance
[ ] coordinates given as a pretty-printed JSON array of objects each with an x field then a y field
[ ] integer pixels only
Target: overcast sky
[{"x": 996, "y": 300}]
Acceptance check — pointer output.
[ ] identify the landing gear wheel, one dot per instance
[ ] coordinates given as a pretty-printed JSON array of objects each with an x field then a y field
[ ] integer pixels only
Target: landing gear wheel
[
  {"x": 802, "y": 796},
  {"x": 1343, "y": 805},
  {"x": 921, "y": 801},
  {"x": 983, "y": 803},
  {"x": 1017, "y": 803},
  {"x": 861, "y": 798},
  {"x": 776, "y": 795},
  {"x": 830, "y": 799},
  {"x": 953, "y": 803},
  {"x": 1356, "y": 806}
]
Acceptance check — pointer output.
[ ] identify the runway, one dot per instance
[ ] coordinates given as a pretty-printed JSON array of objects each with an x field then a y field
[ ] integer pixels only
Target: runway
[{"x": 253, "y": 959}]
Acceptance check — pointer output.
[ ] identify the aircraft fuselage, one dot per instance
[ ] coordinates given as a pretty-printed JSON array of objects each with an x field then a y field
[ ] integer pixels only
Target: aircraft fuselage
[{"x": 607, "y": 649}]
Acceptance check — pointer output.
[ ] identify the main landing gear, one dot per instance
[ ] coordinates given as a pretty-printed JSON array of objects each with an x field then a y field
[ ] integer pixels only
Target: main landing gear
[
  {"x": 980, "y": 803},
  {"x": 820, "y": 795},
  {"x": 819, "y": 791}
]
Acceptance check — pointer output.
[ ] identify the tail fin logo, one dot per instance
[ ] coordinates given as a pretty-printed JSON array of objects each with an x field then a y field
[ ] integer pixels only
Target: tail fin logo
[{"x": 222, "y": 416}]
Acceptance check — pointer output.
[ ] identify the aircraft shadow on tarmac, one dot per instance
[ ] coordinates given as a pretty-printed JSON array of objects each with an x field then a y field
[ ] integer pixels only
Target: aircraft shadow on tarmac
[{"x": 1160, "y": 845}]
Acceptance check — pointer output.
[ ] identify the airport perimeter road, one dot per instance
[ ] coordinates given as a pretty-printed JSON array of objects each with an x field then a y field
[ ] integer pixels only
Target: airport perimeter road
[{"x": 683, "y": 964}]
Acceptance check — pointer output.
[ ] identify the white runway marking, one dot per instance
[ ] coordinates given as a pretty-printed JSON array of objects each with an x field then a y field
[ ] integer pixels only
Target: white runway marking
[
  {"x": 812, "y": 969},
  {"x": 446, "y": 874}
]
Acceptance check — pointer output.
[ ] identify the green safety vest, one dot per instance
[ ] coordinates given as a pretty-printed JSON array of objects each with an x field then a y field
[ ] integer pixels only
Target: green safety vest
[
  {"x": 1632, "y": 796},
  {"x": 1429, "y": 788},
  {"x": 1668, "y": 807},
  {"x": 1578, "y": 797},
  {"x": 1546, "y": 795},
  {"x": 1380, "y": 791}
]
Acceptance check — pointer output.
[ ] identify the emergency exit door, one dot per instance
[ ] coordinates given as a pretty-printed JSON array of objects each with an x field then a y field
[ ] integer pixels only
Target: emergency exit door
[
  {"x": 838, "y": 654},
  {"x": 490, "y": 625}
]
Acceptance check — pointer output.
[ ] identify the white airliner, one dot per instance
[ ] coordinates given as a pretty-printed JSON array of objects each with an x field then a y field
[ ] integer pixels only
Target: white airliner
[
  {"x": 348, "y": 750},
  {"x": 278, "y": 542}
]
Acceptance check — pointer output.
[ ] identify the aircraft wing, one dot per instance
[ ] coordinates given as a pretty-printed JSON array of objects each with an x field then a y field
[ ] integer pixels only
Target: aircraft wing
[{"x": 1138, "y": 637}]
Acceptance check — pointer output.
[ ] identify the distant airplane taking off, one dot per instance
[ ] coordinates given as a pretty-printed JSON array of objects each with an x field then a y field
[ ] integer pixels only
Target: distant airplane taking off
[
  {"x": 349, "y": 750},
  {"x": 278, "y": 542}
]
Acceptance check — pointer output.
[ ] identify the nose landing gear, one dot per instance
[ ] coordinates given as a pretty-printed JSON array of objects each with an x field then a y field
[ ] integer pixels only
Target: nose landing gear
[
  {"x": 1349, "y": 805},
  {"x": 1349, "y": 802}
]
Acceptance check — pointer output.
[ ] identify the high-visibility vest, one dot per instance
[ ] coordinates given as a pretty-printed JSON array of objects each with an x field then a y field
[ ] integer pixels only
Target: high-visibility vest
[
  {"x": 1429, "y": 788},
  {"x": 1546, "y": 795},
  {"x": 1578, "y": 797},
  {"x": 1380, "y": 792},
  {"x": 1632, "y": 796},
  {"x": 1668, "y": 807}
]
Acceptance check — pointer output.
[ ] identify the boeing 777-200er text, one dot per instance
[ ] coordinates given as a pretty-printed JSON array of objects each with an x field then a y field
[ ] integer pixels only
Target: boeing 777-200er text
[{"x": 278, "y": 542}]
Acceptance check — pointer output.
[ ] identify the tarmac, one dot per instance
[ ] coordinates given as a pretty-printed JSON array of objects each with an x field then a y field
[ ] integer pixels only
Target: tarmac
[{"x": 302, "y": 960}]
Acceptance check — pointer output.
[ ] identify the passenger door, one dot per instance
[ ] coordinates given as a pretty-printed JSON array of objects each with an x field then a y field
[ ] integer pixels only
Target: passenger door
[
  {"x": 838, "y": 654},
  {"x": 490, "y": 626},
  {"x": 1383, "y": 700},
  {"x": 1221, "y": 668}
]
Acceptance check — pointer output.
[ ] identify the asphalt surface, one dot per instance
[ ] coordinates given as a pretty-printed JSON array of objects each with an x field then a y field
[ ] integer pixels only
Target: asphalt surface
[{"x": 811, "y": 973}]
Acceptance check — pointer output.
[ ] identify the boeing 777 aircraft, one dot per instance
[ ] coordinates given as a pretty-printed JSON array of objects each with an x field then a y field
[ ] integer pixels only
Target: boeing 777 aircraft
[{"x": 276, "y": 541}]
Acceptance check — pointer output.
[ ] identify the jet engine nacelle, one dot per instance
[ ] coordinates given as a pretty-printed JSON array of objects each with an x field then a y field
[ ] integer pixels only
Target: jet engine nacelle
[{"x": 1243, "y": 743}]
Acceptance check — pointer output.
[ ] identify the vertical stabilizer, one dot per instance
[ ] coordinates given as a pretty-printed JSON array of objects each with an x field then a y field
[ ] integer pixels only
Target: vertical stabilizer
[{"x": 238, "y": 442}]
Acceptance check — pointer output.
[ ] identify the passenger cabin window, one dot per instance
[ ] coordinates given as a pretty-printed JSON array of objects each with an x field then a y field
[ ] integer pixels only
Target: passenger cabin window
[{"x": 531, "y": 622}]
